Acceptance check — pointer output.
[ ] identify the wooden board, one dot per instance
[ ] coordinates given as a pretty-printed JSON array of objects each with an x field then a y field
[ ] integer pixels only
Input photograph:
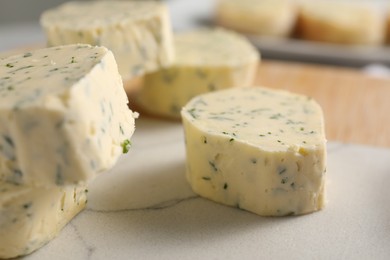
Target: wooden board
[{"x": 356, "y": 106}]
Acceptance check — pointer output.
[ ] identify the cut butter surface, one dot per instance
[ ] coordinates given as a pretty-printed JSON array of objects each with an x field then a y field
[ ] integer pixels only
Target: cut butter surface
[
  {"x": 257, "y": 149},
  {"x": 206, "y": 60},
  {"x": 63, "y": 115},
  {"x": 30, "y": 217},
  {"x": 137, "y": 32}
]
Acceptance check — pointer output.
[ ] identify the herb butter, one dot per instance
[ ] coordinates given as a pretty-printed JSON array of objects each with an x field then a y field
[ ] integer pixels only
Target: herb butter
[
  {"x": 31, "y": 217},
  {"x": 63, "y": 115},
  {"x": 137, "y": 32},
  {"x": 206, "y": 60},
  {"x": 257, "y": 149}
]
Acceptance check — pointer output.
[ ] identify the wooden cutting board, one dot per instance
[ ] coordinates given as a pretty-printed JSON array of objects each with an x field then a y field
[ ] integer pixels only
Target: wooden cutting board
[{"x": 356, "y": 106}]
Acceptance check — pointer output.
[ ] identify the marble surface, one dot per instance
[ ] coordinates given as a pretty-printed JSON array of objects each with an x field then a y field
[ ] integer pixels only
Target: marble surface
[{"x": 144, "y": 209}]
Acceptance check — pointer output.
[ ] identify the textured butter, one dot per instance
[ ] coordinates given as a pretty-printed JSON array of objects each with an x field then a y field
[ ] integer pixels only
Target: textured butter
[{"x": 257, "y": 149}]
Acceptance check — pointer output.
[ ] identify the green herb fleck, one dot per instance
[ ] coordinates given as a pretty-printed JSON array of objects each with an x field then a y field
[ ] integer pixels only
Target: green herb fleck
[
  {"x": 72, "y": 60},
  {"x": 175, "y": 109},
  {"x": 9, "y": 65},
  {"x": 28, "y": 54},
  {"x": 282, "y": 170},
  {"x": 231, "y": 140},
  {"x": 212, "y": 164},
  {"x": 126, "y": 144},
  {"x": 18, "y": 174},
  {"x": 24, "y": 67},
  {"x": 225, "y": 186},
  {"x": 8, "y": 140},
  {"x": 137, "y": 70},
  {"x": 206, "y": 178},
  {"x": 27, "y": 205},
  {"x": 291, "y": 213},
  {"x": 211, "y": 87},
  {"x": 59, "y": 177},
  {"x": 276, "y": 116},
  {"x": 201, "y": 73},
  {"x": 192, "y": 112},
  {"x": 169, "y": 75}
]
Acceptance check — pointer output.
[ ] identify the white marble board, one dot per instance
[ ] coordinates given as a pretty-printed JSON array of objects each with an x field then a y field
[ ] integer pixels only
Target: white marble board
[{"x": 144, "y": 209}]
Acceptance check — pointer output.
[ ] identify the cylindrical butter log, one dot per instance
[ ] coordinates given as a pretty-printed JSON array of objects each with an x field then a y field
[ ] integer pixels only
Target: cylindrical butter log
[
  {"x": 137, "y": 32},
  {"x": 206, "y": 60},
  {"x": 274, "y": 18},
  {"x": 341, "y": 22},
  {"x": 257, "y": 149},
  {"x": 63, "y": 115},
  {"x": 30, "y": 217}
]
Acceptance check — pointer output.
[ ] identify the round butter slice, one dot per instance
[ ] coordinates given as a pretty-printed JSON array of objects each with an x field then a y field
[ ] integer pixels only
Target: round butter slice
[
  {"x": 30, "y": 217},
  {"x": 137, "y": 32},
  {"x": 274, "y": 18},
  {"x": 63, "y": 115},
  {"x": 341, "y": 23},
  {"x": 257, "y": 149},
  {"x": 206, "y": 60}
]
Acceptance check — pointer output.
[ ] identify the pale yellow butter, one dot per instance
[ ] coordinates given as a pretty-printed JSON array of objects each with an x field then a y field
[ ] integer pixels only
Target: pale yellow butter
[
  {"x": 275, "y": 18},
  {"x": 137, "y": 32},
  {"x": 257, "y": 149},
  {"x": 206, "y": 60},
  {"x": 63, "y": 115},
  {"x": 342, "y": 22},
  {"x": 31, "y": 217}
]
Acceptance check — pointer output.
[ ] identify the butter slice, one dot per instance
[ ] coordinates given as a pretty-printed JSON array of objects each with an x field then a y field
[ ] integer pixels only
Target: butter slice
[
  {"x": 63, "y": 115},
  {"x": 257, "y": 149},
  {"x": 359, "y": 23},
  {"x": 137, "y": 32},
  {"x": 206, "y": 60},
  {"x": 31, "y": 217},
  {"x": 274, "y": 18}
]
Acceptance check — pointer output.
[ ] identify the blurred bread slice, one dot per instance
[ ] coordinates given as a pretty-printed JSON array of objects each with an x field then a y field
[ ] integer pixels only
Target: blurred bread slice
[
  {"x": 262, "y": 17},
  {"x": 343, "y": 22}
]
